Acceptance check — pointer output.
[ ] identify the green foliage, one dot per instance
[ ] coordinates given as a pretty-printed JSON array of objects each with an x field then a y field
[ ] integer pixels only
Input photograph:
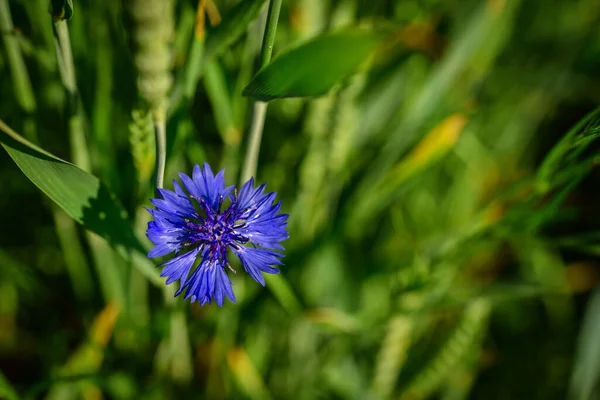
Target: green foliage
[
  {"x": 78, "y": 193},
  {"x": 439, "y": 164},
  {"x": 465, "y": 341},
  {"x": 6, "y": 390},
  {"x": 586, "y": 373},
  {"x": 235, "y": 23},
  {"x": 313, "y": 68}
]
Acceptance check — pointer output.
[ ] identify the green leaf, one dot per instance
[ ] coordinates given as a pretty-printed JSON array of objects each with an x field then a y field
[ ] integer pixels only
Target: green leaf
[
  {"x": 81, "y": 195},
  {"x": 6, "y": 390},
  {"x": 569, "y": 148},
  {"x": 314, "y": 67},
  {"x": 586, "y": 372},
  {"x": 234, "y": 25}
]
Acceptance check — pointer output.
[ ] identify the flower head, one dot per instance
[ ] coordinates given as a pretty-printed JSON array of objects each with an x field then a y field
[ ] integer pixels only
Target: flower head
[{"x": 208, "y": 220}]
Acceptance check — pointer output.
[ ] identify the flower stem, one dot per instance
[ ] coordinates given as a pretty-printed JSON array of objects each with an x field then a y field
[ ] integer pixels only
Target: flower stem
[
  {"x": 160, "y": 131},
  {"x": 259, "y": 111}
]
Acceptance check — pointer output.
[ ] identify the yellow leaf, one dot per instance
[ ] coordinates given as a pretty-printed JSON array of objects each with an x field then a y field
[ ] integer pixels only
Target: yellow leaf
[
  {"x": 433, "y": 146},
  {"x": 246, "y": 375}
]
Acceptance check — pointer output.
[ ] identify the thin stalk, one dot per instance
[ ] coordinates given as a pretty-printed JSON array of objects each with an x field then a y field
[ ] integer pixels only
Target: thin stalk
[
  {"x": 22, "y": 85},
  {"x": 160, "y": 131},
  {"x": 270, "y": 30},
  {"x": 259, "y": 110},
  {"x": 64, "y": 55}
]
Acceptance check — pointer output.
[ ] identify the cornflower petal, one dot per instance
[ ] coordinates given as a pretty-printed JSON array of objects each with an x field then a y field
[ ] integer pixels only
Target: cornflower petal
[
  {"x": 222, "y": 286},
  {"x": 256, "y": 261},
  {"x": 179, "y": 267}
]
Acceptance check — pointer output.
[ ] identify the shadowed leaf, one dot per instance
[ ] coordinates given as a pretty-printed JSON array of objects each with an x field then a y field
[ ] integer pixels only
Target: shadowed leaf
[{"x": 81, "y": 195}]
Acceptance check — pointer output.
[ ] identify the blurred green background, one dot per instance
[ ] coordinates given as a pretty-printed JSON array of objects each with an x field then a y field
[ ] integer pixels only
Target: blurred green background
[{"x": 444, "y": 217}]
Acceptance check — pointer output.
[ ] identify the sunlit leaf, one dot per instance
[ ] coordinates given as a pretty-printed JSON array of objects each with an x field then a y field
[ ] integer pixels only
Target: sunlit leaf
[
  {"x": 567, "y": 151},
  {"x": 246, "y": 374},
  {"x": 314, "y": 67},
  {"x": 6, "y": 390},
  {"x": 437, "y": 143},
  {"x": 334, "y": 319},
  {"x": 586, "y": 373},
  {"x": 392, "y": 354}
]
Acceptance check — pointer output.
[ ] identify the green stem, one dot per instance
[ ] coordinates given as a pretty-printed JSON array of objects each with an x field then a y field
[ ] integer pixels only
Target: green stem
[
  {"x": 160, "y": 131},
  {"x": 22, "y": 85},
  {"x": 270, "y": 30},
  {"x": 259, "y": 110},
  {"x": 64, "y": 55}
]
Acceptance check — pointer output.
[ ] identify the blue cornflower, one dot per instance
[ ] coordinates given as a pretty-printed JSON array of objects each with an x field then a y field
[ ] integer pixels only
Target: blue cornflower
[{"x": 197, "y": 224}]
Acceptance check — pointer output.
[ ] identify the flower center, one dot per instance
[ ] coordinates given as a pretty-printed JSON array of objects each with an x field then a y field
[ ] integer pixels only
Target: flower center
[{"x": 216, "y": 230}]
